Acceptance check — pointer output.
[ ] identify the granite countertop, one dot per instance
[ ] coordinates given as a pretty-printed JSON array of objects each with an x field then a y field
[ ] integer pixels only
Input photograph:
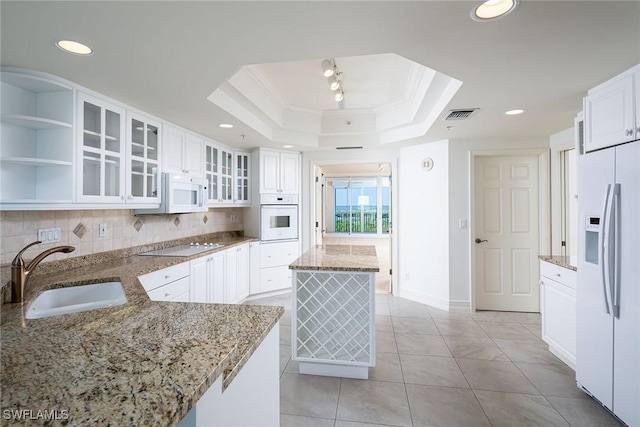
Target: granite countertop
[
  {"x": 141, "y": 363},
  {"x": 338, "y": 258},
  {"x": 563, "y": 261}
]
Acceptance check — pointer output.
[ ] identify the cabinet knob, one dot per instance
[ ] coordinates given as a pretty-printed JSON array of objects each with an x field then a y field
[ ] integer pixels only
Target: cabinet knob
[
  {"x": 558, "y": 275},
  {"x": 167, "y": 276},
  {"x": 166, "y": 295},
  {"x": 629, "y": 132}
]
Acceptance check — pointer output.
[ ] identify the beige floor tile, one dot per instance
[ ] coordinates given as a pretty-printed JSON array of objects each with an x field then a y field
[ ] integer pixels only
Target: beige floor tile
[
  {"x": 340, "y": 423},
  {"x": 309, "y": 395},
  {"x": 530, "y": 318},
  {"x": 432, "y": 370},
  {"x": 387, "y": 368},
  {"x": 495, "y": 376},
  {"x": 375, "y": 402},
  {"x": 386, "y": 342},
  {"x": 534, "y": 329},
  {"x": 445, "y": 407},
  {"x": 527, "y": 351},
  {"x": 427, "y": 345},
  {"x": 507, "y": 331},
  {"x": 383, "y": 324},
  {"x": 461, "y": 328},
  {"x": 382, "y": 309},
  {"x": 552, "y": 379},
  {"x": 437, "y": 313},
  {"x": 401, "y": 307},
  {"x": 414, "y": 325},
  {"x": 298, "y": 421},
  {"x": 493, "y": 316},
  {"x": 583, "y": 412},
  {"x": 475, "y": 348},
  {"x": 512, "y": 409}
]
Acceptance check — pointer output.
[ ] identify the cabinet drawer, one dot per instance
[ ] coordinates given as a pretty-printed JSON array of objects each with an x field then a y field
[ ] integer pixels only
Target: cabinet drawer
[
  {"x": 275, "y": 278},
  {"x": 561, "y": 275},
  {"x": 174, "y": 291},
  {"x": 277, "y": 254},
  {"x": 159, "y": 278}
]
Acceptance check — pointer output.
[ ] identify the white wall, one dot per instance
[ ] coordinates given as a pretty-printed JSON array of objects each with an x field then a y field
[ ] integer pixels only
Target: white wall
[
  {"x": 422, "y": 225},
  {"x": 459, "y": 208}
]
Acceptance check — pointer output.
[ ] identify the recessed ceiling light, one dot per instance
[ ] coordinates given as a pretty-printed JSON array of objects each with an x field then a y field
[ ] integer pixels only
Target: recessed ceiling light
[
  {"x": 76, "y": 48},
  {"x": 225, "y": 125},
  {"x": 493, "y": 9},
  {"x": 287, "y": 146},
  {"x": 514, "y": 112}
]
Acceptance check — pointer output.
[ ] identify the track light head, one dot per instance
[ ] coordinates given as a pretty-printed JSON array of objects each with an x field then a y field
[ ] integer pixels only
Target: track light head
[
  {"x": 339, "y": 95},
  {"x": 334, "y": 82},
  {"x": 328, "y": 67}
]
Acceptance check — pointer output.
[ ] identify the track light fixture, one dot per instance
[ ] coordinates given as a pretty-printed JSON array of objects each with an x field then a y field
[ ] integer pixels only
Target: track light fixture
[
  {"x": 328, "y": 67},
  {"x": 334, "y": 77}
]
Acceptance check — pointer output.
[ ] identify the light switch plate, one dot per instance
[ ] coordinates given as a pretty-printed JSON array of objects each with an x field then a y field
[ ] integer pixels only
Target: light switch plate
[{"x": 49, "y": 235}]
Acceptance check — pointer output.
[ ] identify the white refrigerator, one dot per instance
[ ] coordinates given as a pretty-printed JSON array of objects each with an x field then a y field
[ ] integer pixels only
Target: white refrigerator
[{"x": 608, "y": 289}]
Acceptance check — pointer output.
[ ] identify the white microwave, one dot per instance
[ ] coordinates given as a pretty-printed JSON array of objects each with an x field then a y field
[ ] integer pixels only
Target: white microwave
[
  {"x": 179, "y": 194},
  {"x": 278, "y": 222}
]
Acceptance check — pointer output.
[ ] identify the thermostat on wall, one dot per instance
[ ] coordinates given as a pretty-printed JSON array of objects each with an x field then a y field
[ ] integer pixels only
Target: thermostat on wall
[{"x": 427, "y": 164}]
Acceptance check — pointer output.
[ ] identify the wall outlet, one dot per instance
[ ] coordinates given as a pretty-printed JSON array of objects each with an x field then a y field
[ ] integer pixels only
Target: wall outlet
[
  {"x": 232, "y": 217},
  {"x": 49, "y": 235},
  {"x": 102, "y": 230},
  {"x": 462, "y": 224}
]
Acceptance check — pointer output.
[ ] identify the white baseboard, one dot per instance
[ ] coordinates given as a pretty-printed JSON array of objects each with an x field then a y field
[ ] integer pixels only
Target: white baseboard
[
  {"x": 460, "y": 306},
  {"x": 430, "y": 300}
]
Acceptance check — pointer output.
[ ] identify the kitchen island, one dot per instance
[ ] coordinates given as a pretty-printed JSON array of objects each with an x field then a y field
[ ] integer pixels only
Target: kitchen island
[
  {"x": 333, "y": 322},
  {"x": 141, "y": 363}
]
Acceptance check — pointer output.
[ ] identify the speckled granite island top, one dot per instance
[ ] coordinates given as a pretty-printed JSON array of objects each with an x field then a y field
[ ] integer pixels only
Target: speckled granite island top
[
  {"x": 562, "y": 261},
  {"x": 141, "y": 363},
  {"x": 338, "y": 258}
]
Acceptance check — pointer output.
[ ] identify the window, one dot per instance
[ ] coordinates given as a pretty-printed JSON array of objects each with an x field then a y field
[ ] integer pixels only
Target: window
[{"x": 358, "y": 205}]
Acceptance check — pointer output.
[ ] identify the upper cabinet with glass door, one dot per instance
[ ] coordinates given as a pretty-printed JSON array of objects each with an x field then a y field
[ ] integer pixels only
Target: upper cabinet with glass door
[
  {"x": 143, "y": 160},
  {"x": 242, "y": 178},
  {"x": 101, "y": 151},
  {"x": 36, "y": 140}
]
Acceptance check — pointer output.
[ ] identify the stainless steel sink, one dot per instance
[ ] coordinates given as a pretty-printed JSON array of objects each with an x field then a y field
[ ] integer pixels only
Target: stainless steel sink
[{"x": 74, "y": 299}]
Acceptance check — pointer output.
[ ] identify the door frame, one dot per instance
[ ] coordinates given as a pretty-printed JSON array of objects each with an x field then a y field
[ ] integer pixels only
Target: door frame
[
  {"x": 315, "y": 164},
  {"x": 544, "y": 205}
]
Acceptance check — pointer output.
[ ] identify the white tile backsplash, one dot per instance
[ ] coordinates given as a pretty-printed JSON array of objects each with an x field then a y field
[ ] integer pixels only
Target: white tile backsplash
[{"x": 19, "y": 228}]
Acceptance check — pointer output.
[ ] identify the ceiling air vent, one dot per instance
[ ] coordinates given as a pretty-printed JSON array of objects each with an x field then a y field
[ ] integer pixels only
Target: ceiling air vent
[
  {"x": 349, "y": 148},
  {"x": 462, "y": 114}
]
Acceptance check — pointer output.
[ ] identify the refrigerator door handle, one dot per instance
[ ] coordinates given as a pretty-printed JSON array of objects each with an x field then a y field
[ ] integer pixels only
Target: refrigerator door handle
[
  {"x": 603, "y": 251},
  {"x": 615, "y": 286}
]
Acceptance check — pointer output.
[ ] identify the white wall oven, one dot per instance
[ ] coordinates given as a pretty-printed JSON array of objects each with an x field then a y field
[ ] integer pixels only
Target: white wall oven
[{"x": 278, "y": 222}]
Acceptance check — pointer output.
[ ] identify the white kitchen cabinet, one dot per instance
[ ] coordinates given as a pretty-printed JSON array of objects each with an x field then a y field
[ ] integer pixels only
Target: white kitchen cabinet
[
  {"x": 228, "y": 174},
  {"x": 208, "y": 278},
  {"x": 254, "y": 268},
  {"x": 251, "y": 399},
  {"x": 169, "y": 284},
  {"x": 275, "y": 258},
  {"x": 279, "y": 172},
  {"x": 183, "y": 151},
  {"x": 237, "y": 274},
  {"x": 36, "y": 147},
  {"x": 612, "y": 111},
  {"x": 242, "y": 178},
  {"x": 143, "y": 159},
  {"x": 101, "y": 151},
  {"x": 558, "y": 292}
]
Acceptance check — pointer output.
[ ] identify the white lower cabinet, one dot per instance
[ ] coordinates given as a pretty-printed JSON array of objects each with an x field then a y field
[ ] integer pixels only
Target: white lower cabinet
[
  {"x": 254, "y": 268},
  {"x": 237, "y": 279},
  {"x": 559, "y": 311},
  {"x": 274, "y": 265},
  {"x": 208, "y": 278},
  {"x": 252, "y": 398},
  {"x": 169, "y": 284}
]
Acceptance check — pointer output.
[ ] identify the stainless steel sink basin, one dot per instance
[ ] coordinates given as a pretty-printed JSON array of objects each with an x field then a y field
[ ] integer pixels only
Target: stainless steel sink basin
[{"x": 74, "y": 299}]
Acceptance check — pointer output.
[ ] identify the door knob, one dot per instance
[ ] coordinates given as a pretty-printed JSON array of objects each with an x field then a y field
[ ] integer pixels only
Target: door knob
[{"x": 480, "y": 241}]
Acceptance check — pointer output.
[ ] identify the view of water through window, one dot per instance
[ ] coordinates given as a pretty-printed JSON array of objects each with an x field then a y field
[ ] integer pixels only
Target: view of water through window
[{"x": 360, "y": 204}]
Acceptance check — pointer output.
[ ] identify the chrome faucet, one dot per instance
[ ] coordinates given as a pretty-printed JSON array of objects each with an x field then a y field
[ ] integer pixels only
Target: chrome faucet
[{"x": 20, "y": 272}]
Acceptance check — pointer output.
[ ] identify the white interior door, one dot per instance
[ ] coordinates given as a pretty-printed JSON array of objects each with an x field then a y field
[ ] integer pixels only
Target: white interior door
[{"x": 506, "y": 233}]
